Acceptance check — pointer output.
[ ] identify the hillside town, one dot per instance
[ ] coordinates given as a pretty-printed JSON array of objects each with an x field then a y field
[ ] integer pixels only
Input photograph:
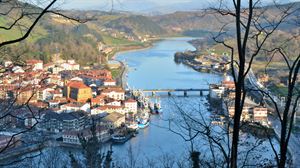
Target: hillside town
[
  {"x": 221, "y": 98},
  {"x": 63, "y": 99}
]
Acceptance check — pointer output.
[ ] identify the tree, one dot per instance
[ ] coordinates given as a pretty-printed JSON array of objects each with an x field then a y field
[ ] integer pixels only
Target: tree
[{"x": 252, "y": 30}]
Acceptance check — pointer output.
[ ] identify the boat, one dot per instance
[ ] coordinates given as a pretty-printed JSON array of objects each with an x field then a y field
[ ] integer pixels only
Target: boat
[
  {"x": 157, "y": 108},
  {"x": 121, "y": 138},
  {"x": 143, "y": 124},
  {"x": 133, "y": 126}
]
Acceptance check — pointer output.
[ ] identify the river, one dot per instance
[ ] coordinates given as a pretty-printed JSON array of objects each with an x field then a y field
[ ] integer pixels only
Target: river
[{"x": 154, "y": 68}]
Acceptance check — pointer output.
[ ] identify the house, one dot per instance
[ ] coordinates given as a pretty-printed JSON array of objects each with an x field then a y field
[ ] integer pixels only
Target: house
[
  {"x": 60, "y": 122},
  {"x": 44, "y": 93},
  {"x": 229, "y": 85},
  {"x": 72, "y": 107},
  {"x": 109, "y": 82},
  {"x": 35, "y": 64},
  {"x": 108, "y": 109},
  {"x": 7, "y": 63},
  {"x": 115, "y": 93},
  {"x": 99, "y": 100},
  {"x": 246, "y": 113},
  {"x": 113, "y": 120},
  {"x": 112, "y": 102},
  {"x": 253, "y": 114},
  {"x": 78, "y": 91},
  {"x": 17, "y": 69},
  {"x": 260, "y": 114},
  {"x": 131, "y": 105},
  {"x": 216, "y": 91},
  {"x": 25, "y": 94},
  {"x": 71, "y": 137}
]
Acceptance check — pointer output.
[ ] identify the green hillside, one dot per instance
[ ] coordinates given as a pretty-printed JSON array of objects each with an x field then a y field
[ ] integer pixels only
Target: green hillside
[{"x": 136, "y": 24}]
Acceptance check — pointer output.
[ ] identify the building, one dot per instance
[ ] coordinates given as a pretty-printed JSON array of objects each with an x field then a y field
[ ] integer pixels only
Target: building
[
  {"x": 260, "y": 114},
  {"x": 115, "y": 93},
  {"x": 216, "y": 91},
  {"x": 246, "y": 113},
  {"x": 109, "y": 82},
  {"x": 98, "y": 101},
  {"x": 35, "y": 64},
  {"x": 71, "y": 137},
  {"x": 113, "y": 120},
  {"x": 78, "y": 91},
  {"x": 26, "y": 94},
  {"x": 60, "y": 122},
  {"x": 108, "y": 109},
  {"x": 72, "y": 107},
  {"x": 131, "y": 105},
  {"x": 252, "y": 114}
]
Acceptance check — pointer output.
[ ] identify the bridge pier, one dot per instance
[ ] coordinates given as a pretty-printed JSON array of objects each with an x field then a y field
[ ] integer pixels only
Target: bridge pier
[
  {"x": 169, "y": 94},
  {"x": 185, "y": 93},
  {"x": 153, "y": 93},
  {"x": 201, "y": 93}
]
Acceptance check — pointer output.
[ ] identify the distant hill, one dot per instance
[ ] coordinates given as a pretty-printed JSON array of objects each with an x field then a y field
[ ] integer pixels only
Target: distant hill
[
  {"x": 136, "y": 24},
  {"x": 189, "y": 23}
]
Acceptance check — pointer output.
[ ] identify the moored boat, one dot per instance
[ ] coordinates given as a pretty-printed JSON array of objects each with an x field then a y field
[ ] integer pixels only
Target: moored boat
[
  {"x": 121, "y": 138},
  {"x": 143, "y": 124},
  {"x": 133, "y": 126}
]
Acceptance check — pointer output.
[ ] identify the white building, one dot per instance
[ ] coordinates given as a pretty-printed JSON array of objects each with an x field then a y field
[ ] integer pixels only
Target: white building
[
  {"x": 115, "y": 93},
  {"x": 131, "y": 105},
  {"x": 109, "y": 82},
  {"x": 35, "y": 64},
  {"x": 216, "y": 91}
]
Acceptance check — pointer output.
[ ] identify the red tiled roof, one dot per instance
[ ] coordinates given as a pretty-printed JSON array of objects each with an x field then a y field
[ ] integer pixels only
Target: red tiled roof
[
  {"x": 34, "y": 61},
  {"x": 77, "y": 84},
  {"x": 130, "y": 101},
  {"x": 108, "y": 90},
  {"x": 109, "y": 80}
]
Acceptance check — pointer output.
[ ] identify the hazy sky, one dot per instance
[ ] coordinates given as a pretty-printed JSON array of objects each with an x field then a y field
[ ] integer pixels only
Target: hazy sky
[{"x": 143, "y": 5}]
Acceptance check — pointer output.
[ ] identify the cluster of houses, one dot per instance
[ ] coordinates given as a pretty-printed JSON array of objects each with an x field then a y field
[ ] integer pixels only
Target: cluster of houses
[
  {"x": 222, "y": 98},
  {"x": 203, "y": 63},
  {"x": 60, "y": 97}
]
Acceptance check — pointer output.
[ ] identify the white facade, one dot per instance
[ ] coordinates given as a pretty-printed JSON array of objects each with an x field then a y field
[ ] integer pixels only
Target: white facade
[
  {"x": 131, "y": 106},
  {"x": 114, "y": 103},
  {"x": 109, "y": 83},
  {"x": 216, "y": 91},
  {"x": 115, "y": 95}
]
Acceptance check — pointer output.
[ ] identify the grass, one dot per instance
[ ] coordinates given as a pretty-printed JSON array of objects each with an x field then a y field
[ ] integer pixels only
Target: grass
[
  {"x": 116, "y": 72},
  {"x": 118, "y": 41},
  {"x": 14, "y": 33}
]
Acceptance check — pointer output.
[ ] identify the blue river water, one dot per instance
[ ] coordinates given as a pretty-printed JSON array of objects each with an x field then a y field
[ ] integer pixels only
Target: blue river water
[{"x": 154, "y": 68}]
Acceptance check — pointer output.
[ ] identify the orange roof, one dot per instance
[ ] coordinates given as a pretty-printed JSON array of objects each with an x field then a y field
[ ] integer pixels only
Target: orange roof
[
  {"x": 106, "y": 107},
  {"x": 108, "y": 90},
  {"x": 34, "y": 61},
  {"x": 77, "y": 84},
  {"x": 130, "y": 101},
  {"x": 109, "y": 80}
]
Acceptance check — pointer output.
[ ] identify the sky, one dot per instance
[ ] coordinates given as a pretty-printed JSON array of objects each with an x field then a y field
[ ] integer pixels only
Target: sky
[{"x": 142, "y": 6}]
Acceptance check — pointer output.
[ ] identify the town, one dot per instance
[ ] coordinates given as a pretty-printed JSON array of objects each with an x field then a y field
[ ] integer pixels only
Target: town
[{"x": 65, "y": 100}]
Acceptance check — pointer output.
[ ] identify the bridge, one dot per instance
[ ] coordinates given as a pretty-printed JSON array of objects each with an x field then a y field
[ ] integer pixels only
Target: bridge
[{"x": 169, "y": 91}]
